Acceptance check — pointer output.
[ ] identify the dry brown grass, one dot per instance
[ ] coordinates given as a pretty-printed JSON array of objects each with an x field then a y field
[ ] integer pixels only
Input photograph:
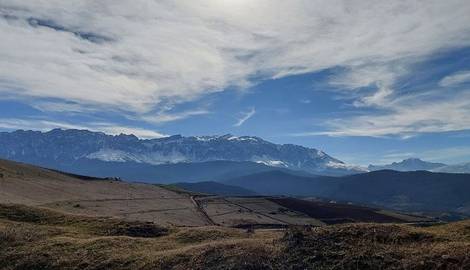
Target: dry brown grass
[
  {"x": 372, "y": 246},
  {"x": 33, "y": 238}
]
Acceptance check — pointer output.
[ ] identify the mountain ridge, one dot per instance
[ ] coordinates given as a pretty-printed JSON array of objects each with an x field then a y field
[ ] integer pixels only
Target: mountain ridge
[{"x": 64, "y": 147}]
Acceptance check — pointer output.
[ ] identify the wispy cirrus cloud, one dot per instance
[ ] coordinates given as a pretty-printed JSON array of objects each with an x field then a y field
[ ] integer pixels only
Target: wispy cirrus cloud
[
  {"x": 245, "y": 116},
  {"x": 406, "y": 115},
  {"x": 132, "y": 57},
  {"x": 456, "y": 79},
  {"x": 163, "y": 117},
  {"x": 404, "y": 121},
  {"x": 379, "y": 77}
]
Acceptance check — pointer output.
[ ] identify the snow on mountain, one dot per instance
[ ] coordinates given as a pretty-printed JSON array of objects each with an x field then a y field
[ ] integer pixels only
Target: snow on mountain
[
  {"x": 66, "y": 146},
  {"x": 155, "y": 158},
  {"x": 112, "y": 155},
  {"x": 268, "y": 162},
  {"x": 340, "y": 165}
]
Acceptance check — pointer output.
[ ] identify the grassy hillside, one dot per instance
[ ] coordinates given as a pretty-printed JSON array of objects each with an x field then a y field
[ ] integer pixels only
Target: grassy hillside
[
  {"x": 33, "y": 186},
  {"x": 33, "y": 238}
]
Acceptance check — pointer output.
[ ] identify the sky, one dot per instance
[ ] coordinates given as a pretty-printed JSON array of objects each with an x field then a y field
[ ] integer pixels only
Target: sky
[{"x": 365, "y": 81}]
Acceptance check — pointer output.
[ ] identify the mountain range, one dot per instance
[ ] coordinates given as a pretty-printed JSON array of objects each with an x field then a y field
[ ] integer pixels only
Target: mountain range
[
  {"x": 70, "y": 149},
  {"x": 182, "y": 159},
  {"x": 416, "y": 164}
]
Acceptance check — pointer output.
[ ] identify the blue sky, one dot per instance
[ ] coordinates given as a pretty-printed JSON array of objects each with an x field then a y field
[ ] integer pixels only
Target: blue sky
[{"x": 367, "y": 82}]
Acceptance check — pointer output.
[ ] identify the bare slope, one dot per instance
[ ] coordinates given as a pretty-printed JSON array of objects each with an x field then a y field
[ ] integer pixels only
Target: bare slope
[
  {"x": 33, "y": 186},
  {"x": 29, "y": 185}
]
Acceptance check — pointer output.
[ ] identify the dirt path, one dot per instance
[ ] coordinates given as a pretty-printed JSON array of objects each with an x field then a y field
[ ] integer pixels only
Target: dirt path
[{"x": 201, "y": 210}]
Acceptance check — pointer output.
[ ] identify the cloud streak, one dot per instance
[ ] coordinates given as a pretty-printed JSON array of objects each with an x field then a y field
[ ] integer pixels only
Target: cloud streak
[
  {"x": 456, "y": 79},
  {"x": 246, "y": 115},
  {"x": 163, "y": 117}
]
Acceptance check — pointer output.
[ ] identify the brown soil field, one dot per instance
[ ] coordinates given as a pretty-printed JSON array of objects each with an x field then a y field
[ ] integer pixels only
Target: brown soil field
[{"x": 239, "y": 211}]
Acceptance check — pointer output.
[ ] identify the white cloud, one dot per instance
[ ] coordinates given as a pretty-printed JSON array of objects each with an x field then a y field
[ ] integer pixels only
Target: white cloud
[
  {"x": 163, "y": 117},
  {"x": 407, "y": 117},
  {"x": 134, "y": 56},
  {"x": 49, "y": 106},
  {"x": 455, "y": 79},
  {"x": 378, "y": 76},
  {"x": 46, "y": 125},
  {"x": 246, "y": 115}
]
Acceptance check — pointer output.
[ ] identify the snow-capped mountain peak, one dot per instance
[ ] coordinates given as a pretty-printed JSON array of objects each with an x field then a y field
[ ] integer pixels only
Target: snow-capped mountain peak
[{"x": 67, "y": 146}]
